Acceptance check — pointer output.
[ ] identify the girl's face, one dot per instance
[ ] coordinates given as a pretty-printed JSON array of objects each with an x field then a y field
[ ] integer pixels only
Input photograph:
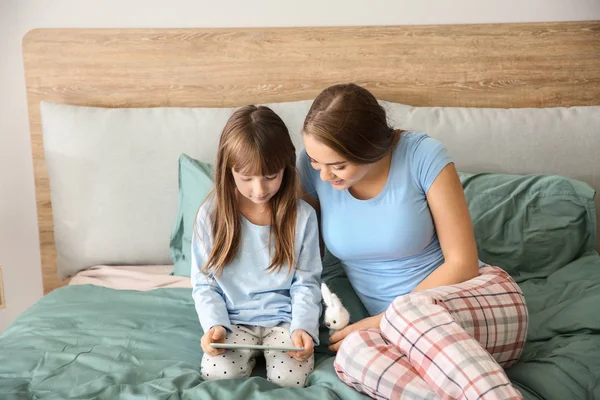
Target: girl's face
[
  {"x": 258, "y": 189},
  {"x": 340, "y": 173}
]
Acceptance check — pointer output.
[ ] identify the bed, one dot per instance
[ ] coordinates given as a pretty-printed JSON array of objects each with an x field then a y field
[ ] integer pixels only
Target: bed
[{"x": 124, "y": 124}]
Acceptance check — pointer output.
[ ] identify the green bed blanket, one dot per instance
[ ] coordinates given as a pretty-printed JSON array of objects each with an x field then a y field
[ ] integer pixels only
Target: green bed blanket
[
  {"x": 562, "y": 356},
  {"x": 89, "y": 342},
  {"x": 542, "y": 230}
]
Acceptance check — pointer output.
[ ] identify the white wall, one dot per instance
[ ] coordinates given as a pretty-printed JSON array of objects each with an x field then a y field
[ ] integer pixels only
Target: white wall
[{"x": 19, "y": 251}]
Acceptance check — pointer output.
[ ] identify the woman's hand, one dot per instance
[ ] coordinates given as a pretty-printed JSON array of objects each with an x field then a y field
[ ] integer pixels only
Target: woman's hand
[
  {"x": 216, "y": 334},
  {"x": 302, "y": 339},
  {"x": 337, "y": 338}
]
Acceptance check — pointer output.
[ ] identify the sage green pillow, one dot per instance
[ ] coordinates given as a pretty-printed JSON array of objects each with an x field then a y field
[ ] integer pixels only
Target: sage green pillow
[
  {"x": 530, "y": 225},
  {"x": 196, "y": 181}
]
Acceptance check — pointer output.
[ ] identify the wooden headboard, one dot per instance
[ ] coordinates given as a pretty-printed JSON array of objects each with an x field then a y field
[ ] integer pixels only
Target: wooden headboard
[{"x": 493, "y": 65}]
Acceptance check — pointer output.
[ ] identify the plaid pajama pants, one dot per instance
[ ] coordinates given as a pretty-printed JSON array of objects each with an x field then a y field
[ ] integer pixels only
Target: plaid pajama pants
[{"x": 450, "y": 342}]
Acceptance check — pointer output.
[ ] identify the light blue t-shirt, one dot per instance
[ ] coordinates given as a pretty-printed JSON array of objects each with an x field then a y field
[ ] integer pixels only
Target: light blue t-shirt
[
  {"x": 246, "y": 293},
  {"x": 387, "y": 244}
]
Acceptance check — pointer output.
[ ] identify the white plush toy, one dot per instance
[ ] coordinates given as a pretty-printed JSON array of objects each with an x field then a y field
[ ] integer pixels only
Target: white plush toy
[{"x": 336, "y": 316}]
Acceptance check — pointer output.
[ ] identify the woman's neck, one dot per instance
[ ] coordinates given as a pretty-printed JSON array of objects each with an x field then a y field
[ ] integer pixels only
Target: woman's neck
[{"x": 375, "y": 179}]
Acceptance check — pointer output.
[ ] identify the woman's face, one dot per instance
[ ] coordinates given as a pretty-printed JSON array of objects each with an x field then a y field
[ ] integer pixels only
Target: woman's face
[{"x": 336, "y": 170}]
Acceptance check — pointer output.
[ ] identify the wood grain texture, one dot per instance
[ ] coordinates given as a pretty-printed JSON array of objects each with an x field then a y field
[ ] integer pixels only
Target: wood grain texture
[{"x": 492, "y": 65}]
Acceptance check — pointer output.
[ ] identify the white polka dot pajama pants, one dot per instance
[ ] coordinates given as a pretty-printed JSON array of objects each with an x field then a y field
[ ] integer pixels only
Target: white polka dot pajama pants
[{"x": 282, "y": 369}]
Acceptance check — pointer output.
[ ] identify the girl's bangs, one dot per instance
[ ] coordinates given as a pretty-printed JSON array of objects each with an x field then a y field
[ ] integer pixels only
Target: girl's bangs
[{"x": 248, "y": 160}]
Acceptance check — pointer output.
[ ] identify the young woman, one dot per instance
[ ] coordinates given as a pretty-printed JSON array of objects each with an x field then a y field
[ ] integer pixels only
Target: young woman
[{"x": 393, "y": 210}]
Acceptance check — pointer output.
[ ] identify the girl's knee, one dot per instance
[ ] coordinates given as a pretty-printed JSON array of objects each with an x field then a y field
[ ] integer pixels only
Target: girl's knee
[
  {"x": 290, "y": 373},
  {"x": 215, "y": 368},
  {"x": 288, "y": 379}
]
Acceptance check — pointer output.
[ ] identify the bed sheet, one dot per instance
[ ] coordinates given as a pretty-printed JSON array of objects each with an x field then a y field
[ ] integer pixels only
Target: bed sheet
[{"x": 131, "y": 277}]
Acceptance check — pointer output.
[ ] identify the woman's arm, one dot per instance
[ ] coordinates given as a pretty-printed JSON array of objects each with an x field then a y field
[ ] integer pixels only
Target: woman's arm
[{"x": 448, "y": 205}]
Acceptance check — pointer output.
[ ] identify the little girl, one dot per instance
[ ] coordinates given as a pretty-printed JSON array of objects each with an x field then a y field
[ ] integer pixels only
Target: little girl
[{"x": 256, "y": 263}]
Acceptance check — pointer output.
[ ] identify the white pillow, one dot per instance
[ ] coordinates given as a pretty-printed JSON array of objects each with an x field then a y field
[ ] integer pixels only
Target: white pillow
[
  {"x": 113, "y": 176},
  {"x": 561, "y": 140},
  {"x": 113, "y": 171}
]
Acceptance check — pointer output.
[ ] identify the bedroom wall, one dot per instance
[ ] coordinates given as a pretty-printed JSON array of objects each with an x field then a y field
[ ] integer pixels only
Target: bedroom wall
[{"x": 19, "y": 252}]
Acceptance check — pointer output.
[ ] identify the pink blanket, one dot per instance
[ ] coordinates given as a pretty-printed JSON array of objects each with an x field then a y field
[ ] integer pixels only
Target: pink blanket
[{"x": 139, "y": 277}]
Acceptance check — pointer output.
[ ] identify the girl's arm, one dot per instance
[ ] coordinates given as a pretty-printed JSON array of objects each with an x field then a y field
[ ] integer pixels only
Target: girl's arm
[
  {"x": 308, "y": 192},
  {"x": 305, "y": 290},
  {"x": 314, "y": 202},
  {"x": 208, "y": 296},
  {"x": 454, "y": 228}
]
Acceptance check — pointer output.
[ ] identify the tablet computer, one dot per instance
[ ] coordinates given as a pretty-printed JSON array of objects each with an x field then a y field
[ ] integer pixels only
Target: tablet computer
[{"x": 231, "y": 346}]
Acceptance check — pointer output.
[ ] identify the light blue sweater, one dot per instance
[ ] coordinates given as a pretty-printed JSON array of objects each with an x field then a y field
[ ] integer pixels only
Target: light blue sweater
[{"x": 246, "y": 293}]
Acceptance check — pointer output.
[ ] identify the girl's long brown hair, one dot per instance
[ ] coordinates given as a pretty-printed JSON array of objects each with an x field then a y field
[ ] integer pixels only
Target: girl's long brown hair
[
  {"x": 255, "y": 141},
  {"x": 348, "y": 119}
]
